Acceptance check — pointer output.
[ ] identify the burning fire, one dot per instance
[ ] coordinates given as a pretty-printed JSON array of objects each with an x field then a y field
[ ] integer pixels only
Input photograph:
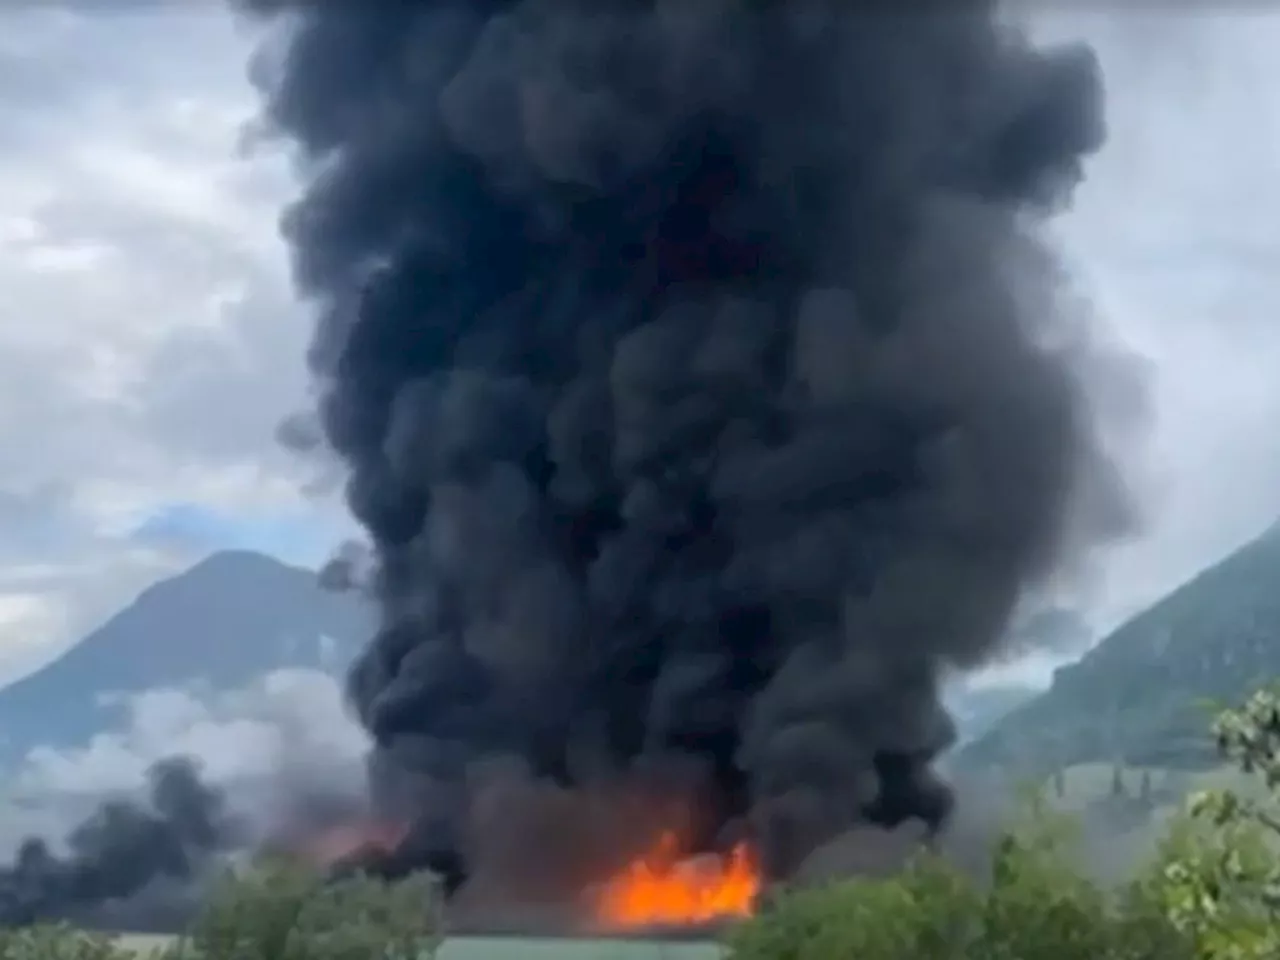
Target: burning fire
[{"x": 661, "y": 888}]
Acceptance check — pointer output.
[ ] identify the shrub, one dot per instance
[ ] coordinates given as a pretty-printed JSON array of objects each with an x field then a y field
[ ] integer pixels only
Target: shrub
[
  {"x": 58, "y": 942},
  {"x": 1217, "y": 877},
  {"x": 1205, "y": 883},
  {"x": 917, "y": 914},
  {"x": 282, "y": 912},
  {"x": 1033, "y": 905},
  {"x": 276, "y": 912},
  {"x": 1211, "y": 893}
]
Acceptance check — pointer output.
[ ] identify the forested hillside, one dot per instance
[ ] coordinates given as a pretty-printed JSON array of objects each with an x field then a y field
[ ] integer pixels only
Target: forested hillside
[{"x": 1139, "y": 695}]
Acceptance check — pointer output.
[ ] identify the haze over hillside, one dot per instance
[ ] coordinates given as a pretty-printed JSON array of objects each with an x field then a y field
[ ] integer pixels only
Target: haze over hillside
[
  {"x": 238, "y": 615},
  {"x": 224, "y": 623},
  {"x": 1139, "y": 695}
]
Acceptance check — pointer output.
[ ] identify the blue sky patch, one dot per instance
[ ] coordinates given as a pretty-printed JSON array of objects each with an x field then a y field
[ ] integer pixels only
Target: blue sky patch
[{"x": 290, "y": 536}]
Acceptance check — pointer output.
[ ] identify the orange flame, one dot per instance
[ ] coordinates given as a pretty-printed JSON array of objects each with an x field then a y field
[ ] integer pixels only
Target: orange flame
[{"x": 662, "y": 889}]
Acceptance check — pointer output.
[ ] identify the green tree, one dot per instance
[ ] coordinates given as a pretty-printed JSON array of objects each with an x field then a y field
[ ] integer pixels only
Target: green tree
[
  {"x": 1218, "y": 875},
  {"x": 1033, "y": 906},
  {"x": 280, "y": 911},
  {"x": 928, "y": 910}
]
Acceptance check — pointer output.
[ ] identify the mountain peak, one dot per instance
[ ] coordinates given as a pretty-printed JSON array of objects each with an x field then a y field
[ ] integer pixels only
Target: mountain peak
[
  {"x": 224, "y": 622},
  {"x": 242, "y": 565},
  {"x": 237, "y": 558}
]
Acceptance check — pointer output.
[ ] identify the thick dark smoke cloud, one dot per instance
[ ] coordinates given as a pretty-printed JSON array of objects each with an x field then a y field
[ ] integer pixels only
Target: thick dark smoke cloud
[
  {"x": 706, "y": 395},
  {"x": 130, "y": 866}
]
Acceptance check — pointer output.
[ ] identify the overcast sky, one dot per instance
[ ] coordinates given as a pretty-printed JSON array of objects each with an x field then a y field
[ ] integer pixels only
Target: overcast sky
[{"x": 149, "y": 345}]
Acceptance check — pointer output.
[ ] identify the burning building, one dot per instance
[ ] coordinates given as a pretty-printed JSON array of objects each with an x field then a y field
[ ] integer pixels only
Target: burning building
[{"x": 707, "y": 395}]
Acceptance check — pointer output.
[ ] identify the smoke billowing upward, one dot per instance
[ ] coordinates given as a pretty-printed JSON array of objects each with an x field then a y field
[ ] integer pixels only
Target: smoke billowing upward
[
  {"x": 706, "y": 396},
  {"x": 129, "y": 866}
]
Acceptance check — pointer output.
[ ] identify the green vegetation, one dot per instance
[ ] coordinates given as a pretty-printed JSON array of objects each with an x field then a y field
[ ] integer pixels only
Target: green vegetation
[
  {"x": 275, "y": 912},
  {"x": 1211, "y": 891},
  {"x": 1136, "y": 697}
]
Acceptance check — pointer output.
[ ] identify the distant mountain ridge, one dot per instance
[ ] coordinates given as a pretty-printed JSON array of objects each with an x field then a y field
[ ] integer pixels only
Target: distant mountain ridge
[
  {"x": 1140, "y": 695},
  {"x": 229, "y": 619},
  {"x": 1137, "y": 696},
  {"x": 975, "y": 710}
]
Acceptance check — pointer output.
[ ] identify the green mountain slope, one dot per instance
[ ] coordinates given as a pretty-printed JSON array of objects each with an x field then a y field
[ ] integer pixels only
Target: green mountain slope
[
  {"x": 230, "y": 619},
  {"x": 1139, "y": 695}
]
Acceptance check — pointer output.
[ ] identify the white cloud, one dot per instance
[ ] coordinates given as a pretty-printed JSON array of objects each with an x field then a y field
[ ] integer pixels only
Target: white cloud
[
  {"x": 28, "y": 618},
  {"x": 269, "y": 746},
  {"x": 148, "y": 339},
  {"x": 1173, "y": 237},
  {"x": 1172, "y": 240},
  {"x": 289, "y": 720}
]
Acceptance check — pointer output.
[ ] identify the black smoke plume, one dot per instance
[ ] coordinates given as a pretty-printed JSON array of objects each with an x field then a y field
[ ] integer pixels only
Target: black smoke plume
[
  {"x": 130, "y": 866},
  {"x": 707, "y": 396}
]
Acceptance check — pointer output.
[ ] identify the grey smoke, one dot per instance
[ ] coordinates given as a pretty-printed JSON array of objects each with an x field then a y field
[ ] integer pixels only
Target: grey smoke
[
  {"x": 1051, "y": 630},
  {"x": 300, "y": 433},
  {"x": 348, "y": 568},
  {"x": 130, "y": 865},
  {"x": 707, "y": 394}
]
